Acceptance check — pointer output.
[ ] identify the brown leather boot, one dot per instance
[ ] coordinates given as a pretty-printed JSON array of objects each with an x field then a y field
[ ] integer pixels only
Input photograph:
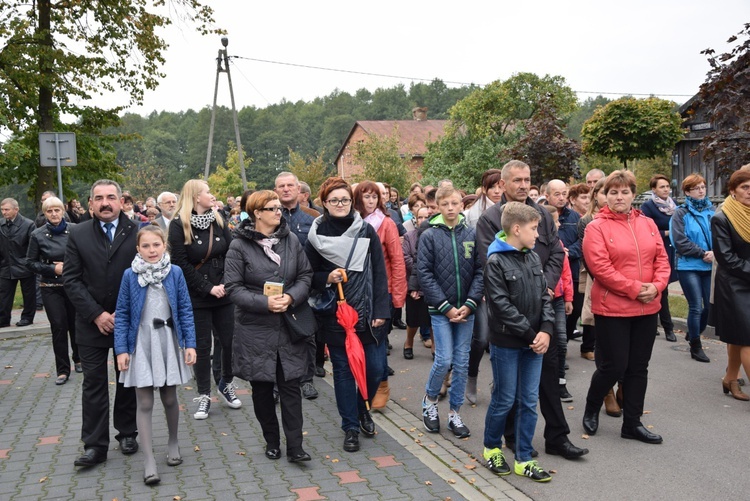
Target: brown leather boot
[
  {"x": 618, "y": 395},
  {"x": 733, "y": 387},
  {"x": 610, "y": 405},
  {"x": 381, "y": 397}
]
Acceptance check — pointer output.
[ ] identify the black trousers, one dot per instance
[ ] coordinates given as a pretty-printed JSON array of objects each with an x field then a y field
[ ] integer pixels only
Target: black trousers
[
  {"x": 7, "y": 293},
  {"x": 291, "y": 411},
  {"x": 95, "y": 401},
  {"x": 623, "y": 351},
  {"x": 312, "y": 358},
  {"x": 572, "y": 320},
  {"x": 218, "y": 320},
  {"x": 62, "y": 319},
  {"x": 665, "y": 316},
  {"x": 556, "y": 428}
]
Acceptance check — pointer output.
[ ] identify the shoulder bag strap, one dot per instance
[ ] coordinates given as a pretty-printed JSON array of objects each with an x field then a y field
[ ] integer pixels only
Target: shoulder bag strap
[{"x": 210, "y": 246}]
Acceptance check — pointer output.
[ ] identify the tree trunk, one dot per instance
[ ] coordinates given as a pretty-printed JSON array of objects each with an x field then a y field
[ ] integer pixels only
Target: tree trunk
[{"x": 45, "y": 175}]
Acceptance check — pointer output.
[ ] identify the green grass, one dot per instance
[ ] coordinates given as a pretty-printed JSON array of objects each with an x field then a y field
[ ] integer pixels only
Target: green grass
[{"x": 678, "y": 306}]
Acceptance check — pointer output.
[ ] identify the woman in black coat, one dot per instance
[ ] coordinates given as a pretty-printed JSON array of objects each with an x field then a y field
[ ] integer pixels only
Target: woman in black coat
[
  {"x": 730, "y": 232},
  {"x": 45, "y": 258},
  {"x": 198, "y": 240},
  {"x": 660, "y": 207},
  {"x": 264, "y": 253}
]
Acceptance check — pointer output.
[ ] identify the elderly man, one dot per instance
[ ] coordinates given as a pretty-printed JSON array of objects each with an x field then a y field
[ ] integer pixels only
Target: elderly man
[
  {"x": 167, "y": 204},
  {"x": 593, "y": 176},
  {"x": 15, "y": 232},
  {"x": 300, "y": 219},
  {"x": 516, "y": 179},
  {"x": 304, "y": 197},
  {"x": 98, "y": 253}
]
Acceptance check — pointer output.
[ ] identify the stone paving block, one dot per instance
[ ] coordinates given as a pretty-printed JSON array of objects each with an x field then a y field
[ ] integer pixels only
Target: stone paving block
[{"x": 308, "y": 494}]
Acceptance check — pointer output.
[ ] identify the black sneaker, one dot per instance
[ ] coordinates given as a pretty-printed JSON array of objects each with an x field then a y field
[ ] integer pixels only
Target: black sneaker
[
  {"x": 496, "y": 461},
  {"x": 351, "y": 441},
  {"x": 457, "y": 426},
  {"x": 308, "y": 391},
  {"x": 430, "y": 415},
  {"x": 565, "y": 395}
]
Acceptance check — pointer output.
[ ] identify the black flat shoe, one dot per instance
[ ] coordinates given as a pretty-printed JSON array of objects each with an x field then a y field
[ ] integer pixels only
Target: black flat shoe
[
  {"x": 128, "y": 445},
  {"x": 391, "y": 372},
  {"x": 641, "y": 434},
  {"x": 366, "y": 424},
  {"x": 669, "y": 336},
  {"x": 590, "y": 422},
  {"x": 320, "y": 372},
  {"x": 299, "y": 457},
  {"x": 78, "y": 367},
  {"x": 399, "y": 324},
  {"x": 408, "y": 353},
  {"x": 566, "y": 450},
  {"x": 23, "y": 323},
  {"x": 90, "y": 457},
  {"x": 273, "y": 453},
  {"x": 61, "y": 379},
  {"x": 351, "y": 441},
  {"x": 151, "y": 479}
]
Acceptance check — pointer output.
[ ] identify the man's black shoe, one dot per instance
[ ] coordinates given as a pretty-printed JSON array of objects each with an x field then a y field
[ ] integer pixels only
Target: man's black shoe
[
  {"x": 23, "y": 323},
  {"x": 669, "y": 336},
  {"x": 299, "y": 457},
  {"x": 320, "y": 372},
  {"x": 366, "y": 424},
  {"x": 512, "y": 446},
  {"x": 351, "y": 441},
  {"x": 591, "y": 422},
  {"x": 642, "y": 434},
  {"x": 399, "y": 324},
  {"x": 128, "y": 445},
  {"x": 90, "y": 457},
  {"x": 566, "y": 450}
]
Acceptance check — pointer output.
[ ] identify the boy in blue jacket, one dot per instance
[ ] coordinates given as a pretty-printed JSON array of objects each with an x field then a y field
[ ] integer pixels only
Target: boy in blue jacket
[
  {"x": 450, "y": 275},
  {"x": 521, "y": 319}
]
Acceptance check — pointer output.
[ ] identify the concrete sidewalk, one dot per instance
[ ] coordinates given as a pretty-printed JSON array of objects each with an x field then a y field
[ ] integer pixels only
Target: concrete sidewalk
[{"x": 40, "y": 438}]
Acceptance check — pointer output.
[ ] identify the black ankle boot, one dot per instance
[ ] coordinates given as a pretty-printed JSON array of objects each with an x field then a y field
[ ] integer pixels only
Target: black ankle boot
[
  {"x": 696, "y": 351},
  {"x": 591, "y": 421}
]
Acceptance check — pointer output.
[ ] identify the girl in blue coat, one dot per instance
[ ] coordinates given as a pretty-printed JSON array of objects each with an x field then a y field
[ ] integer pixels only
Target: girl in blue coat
[{"x": 154, "y": 339}]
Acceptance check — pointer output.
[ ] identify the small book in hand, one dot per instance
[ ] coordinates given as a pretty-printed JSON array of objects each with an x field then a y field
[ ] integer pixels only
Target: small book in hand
[{"x": 273, "y": 289}]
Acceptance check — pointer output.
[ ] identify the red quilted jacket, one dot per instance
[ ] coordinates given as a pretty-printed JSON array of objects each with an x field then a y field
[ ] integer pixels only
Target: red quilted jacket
[{"x": 622, "y": 252}]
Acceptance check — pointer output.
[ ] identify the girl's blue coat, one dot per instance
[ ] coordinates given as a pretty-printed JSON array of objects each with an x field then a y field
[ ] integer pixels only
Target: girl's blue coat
[{"x": 130, "y": 305}]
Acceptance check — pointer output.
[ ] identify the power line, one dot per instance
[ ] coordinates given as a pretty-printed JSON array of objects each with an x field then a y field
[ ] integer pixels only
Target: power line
[{"x": 354, "y": 72}]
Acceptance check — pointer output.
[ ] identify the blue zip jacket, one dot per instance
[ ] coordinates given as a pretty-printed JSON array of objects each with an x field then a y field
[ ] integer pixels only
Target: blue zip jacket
[
  {"x": 130, "y": 305},
  {"x": 450, "y": 273},
  {"x": 690, "y": 233}
]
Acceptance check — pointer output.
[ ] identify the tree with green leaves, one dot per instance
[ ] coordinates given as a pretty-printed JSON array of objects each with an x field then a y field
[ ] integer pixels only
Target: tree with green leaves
[
  {"x": 381, "y": 161},
  {"x": 489, "y": 121},
  {"x": 632, "y": 129},
  {"x": 226, "y": 180},
  {"x": 311, "y": 170},
  {"x": 57, "y": 55}
]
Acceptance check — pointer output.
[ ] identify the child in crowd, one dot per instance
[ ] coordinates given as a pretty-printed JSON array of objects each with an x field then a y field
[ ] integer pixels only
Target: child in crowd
[
  {"x": 450, "y": 276},
  {"x": 562, "y": 305},
  {"x": 521, "y": 319},
  {"x": 153, "y": 326}
]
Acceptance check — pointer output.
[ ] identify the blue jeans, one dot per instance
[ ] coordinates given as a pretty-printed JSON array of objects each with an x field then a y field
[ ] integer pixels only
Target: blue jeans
[
  {"x": 560, "y": 336},
  {"x": 348, "y": 399},
  {"x": 696, "y": 285},
  {"x": 515, "y": 373},
  {"x": 452, "y": 344}
]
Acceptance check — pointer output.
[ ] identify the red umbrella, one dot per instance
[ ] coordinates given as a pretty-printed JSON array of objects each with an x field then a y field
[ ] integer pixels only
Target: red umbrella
[{"x": 355, "y": 353}]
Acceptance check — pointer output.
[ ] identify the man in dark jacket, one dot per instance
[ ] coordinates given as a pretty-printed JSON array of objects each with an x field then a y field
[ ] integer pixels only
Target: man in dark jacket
[
  {"x": 98, "y": 253},
  {"x": 15, "y": 232},
  {"x": 516, "y": 179}
]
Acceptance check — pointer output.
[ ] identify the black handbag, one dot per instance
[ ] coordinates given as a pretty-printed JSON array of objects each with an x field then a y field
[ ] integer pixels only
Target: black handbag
[
  {"x": 301, "y": 322},
  {"x": 324, "y": 302}
]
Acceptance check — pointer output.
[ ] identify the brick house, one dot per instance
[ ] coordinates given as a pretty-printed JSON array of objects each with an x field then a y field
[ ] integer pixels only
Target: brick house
[{"x": 414, "y": 135}]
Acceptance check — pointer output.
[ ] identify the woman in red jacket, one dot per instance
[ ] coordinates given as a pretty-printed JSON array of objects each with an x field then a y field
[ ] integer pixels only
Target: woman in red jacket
[
  {"x": 625, "y": 254},
  {"x": 370, "y": 204}
]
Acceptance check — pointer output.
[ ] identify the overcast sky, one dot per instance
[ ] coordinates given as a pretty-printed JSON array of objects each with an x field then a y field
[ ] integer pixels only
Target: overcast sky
[{"x": 636, "y": 47}]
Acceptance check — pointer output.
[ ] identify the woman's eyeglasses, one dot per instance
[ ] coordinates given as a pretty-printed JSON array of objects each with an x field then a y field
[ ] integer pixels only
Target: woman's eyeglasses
[
  {"x": 343, "y": 201},
  {"x": 272, "y": 209}
]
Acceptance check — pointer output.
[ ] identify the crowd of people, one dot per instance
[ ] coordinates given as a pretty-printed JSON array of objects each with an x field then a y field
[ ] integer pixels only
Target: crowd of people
[{"x": 270, "y": 285}]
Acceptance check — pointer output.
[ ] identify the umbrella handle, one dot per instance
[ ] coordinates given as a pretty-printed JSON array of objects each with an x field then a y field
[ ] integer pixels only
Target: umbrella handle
[{"x": 344, "y": 279}]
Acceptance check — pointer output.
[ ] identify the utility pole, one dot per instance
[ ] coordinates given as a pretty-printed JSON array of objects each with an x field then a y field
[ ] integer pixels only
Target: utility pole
[{"x": 223, "y": 58}]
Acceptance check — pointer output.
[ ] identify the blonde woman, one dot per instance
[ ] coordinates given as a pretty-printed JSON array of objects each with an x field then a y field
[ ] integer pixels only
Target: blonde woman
[{"x": 199, "y": 239}]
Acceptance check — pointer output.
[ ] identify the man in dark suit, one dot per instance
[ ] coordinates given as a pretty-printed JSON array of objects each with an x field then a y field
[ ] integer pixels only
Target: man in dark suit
[
  {"x": 15, "y": 233},
  {"x": 167, "y": 203},
  {"x": 98, "y": 253}
]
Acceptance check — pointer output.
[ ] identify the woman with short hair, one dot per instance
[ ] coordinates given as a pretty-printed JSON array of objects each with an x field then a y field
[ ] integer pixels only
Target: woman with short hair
[{"x": 625, "y": 254}]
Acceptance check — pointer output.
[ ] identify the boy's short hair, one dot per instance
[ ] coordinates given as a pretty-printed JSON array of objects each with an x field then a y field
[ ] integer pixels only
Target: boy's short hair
[
  {"x": 429, "y": 196},
  {"x": 518, "y": 213},
  {"x": 552, "y": 210},
  {"x": 445, "y": 192}
]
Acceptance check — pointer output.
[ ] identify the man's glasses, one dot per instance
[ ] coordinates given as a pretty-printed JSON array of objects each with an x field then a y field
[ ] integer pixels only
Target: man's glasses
[
  {"x": 272, "y": 209},
  {"x": 343, "y": 201}
]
